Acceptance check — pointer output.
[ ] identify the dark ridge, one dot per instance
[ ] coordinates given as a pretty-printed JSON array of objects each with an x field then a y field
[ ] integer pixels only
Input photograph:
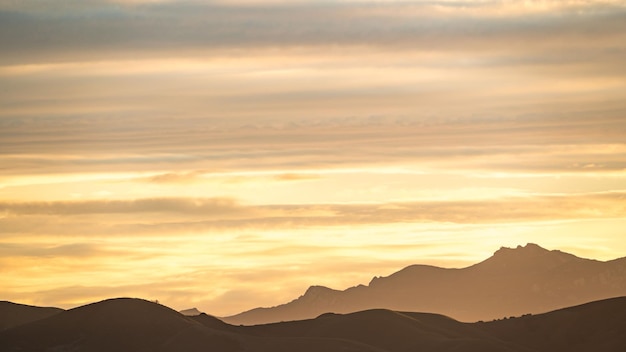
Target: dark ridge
[
  {"x": 389, "y": 331},
  {"x": 213, "y": 322},
  {"x": 125, "y": 325},
  {"x": 14, "y": 314},
  {"x": 594, "y": 326},
  {"x": 121, "y": 324}
]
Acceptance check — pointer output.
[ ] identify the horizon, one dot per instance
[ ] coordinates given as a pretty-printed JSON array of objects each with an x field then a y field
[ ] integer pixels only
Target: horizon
[
  {"x": 518, "y": 247},
  {"x": 227, "y": 155}
]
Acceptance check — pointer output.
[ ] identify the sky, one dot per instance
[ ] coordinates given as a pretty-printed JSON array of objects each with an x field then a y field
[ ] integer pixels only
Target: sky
[{"x": 226, "y": 155}]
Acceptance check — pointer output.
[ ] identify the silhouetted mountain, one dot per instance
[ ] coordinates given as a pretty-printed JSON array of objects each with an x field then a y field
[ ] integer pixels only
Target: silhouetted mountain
[
  {"x": 527, "y": 279},
  {"x": 125, "y": 325},
  {"x": 14, "y": 314}
]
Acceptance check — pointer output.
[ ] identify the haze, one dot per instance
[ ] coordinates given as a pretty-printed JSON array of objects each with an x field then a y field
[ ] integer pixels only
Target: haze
[{"x": 227, "y": 155}]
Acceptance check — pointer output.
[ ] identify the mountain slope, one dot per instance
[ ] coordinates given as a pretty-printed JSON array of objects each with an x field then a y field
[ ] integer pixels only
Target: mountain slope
[
  {"x": 595, "y": 326},
  {"x": 527, "y": 279},
  {"x": 14, "y": 314}
]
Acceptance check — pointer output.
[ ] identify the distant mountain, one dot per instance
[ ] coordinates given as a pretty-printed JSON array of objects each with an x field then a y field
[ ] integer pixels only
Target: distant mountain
[
  {"x": 14, "y": 314},
  {"x": 517, "y": 281},
  {"x": 190, "y": 312},
  {"x": 125, "y": 325}
]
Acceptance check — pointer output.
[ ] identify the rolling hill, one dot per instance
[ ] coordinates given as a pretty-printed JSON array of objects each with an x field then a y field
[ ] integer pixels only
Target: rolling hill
[
  {"x": 121, "y": 324},
  {"x": 14, "y": 314},
  {"x": 126, "y": 325}
]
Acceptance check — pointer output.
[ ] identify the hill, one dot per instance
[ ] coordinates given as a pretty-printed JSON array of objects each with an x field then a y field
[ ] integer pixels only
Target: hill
[
  {"x": 14, "y": 314},
  {"x": 595, "y": 326},
  {"x": 135, "y": 325},
  {"x": 126, "y": 325},
  {"x": 514, "y": 281},
  {"x": 121, "y": 324}
]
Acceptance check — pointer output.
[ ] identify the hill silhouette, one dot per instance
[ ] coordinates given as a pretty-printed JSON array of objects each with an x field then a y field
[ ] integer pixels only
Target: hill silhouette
[
  {"x": 14, "y": 314},
  {"x": 389, "y": 331},
  {"x": 136, "y": 325},
  {"x": 595, "y": 326},
  {"x": 126, "y": 325},
  {"x": 514, "y": 281},
  {"x": 121, "y": 324}
]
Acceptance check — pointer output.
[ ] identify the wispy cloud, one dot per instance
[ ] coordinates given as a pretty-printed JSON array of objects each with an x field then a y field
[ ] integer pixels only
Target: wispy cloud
[
  {"x": 165, "y": 216},
  {"x": 99, "y": 28}
]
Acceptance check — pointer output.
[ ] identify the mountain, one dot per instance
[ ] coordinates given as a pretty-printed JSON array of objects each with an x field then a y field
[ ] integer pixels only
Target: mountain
[
  {"x": 190, "y": 312},
  {"x": 514, "y": 281},
  {"x": 126, "y": 325},
  {"x": 14, "y": 314}
]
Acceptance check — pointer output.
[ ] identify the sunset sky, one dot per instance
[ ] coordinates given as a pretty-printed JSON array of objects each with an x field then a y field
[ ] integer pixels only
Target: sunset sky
[{"x": 226, "y": 155}]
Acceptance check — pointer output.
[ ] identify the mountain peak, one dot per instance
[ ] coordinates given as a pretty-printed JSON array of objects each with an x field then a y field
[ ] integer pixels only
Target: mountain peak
[
  {"x": 317, "y": 294},
  {"x": 529, "y": 248},
  {"x": 525, "y": 257},
  {"x": 190, "y": 312},
  {"x": 318, "y": 290}
]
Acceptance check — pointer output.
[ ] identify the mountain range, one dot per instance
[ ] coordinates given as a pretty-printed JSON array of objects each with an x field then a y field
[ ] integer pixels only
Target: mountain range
[
  {"x": 514, "y": 281},
  {"x": 499, "y": 299},
  {"x": 126, "y": 324}
]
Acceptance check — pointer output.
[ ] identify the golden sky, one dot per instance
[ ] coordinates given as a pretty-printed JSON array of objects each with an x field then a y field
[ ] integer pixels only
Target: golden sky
[{"x": 228, "y": 154}]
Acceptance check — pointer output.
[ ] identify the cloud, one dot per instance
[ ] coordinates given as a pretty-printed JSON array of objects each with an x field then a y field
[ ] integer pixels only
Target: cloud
[
  {"x": 188, "y": 177},
  {"x": 112, "y": 29},
  {"x": 296, "y": 177},
  {"x": 164, "y": 88},
  {"x": 544, "y": 143},
  {"x": 206, "y": 207},
  {"x": 68, "y": 250},
  {"x": 188, "y": 216}
]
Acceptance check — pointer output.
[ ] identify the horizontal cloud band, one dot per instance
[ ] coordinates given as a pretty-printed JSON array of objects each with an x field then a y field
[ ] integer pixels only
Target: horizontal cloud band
[
  {"x": 163, "y": 216},
  {"x": 102, "y": 27}
]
